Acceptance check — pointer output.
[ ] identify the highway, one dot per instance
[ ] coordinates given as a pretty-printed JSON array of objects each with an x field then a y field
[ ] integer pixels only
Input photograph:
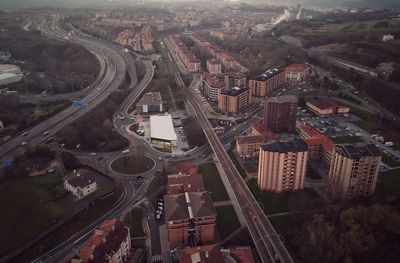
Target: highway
[{"x": 112, "y": 75}]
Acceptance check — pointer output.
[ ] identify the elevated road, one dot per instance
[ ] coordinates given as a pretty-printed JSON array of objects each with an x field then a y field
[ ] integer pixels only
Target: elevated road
[
  {"x": 112, "y": 74},
  {"x": 266, "y": 240}
]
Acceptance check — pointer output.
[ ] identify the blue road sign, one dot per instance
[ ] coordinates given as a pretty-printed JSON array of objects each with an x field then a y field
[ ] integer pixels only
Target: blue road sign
[
  {"x": 7, "y": 163},
  {"x": 78, "y": 104}
]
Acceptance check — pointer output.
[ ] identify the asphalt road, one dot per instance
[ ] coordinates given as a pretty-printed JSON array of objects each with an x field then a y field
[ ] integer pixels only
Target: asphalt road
[{"x": 113, "y": 68}]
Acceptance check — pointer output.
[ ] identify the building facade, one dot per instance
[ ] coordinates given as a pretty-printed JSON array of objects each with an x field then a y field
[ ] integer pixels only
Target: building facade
[
  {"x": 212, "y": 86},
  {"x": 263, "y": 84},
  {"x": 80, "y": 183},
  {"x": 280, "y": 114},
  {"x": 235, "y": 79},
  {"x": 297, "y": 72},
  {"x": 213, "y": 66},
  {"x": 232, "y": 100},
  {"x": 326, "y": 107},
  {"x": 282, "y": 166},
  {"x": 354, "y": 170}
]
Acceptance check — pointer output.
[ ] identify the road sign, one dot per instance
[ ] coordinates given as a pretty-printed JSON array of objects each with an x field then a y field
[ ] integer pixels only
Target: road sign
[
  {"x": 7, "y": 163},
  {"x": 78, "y": 104}
]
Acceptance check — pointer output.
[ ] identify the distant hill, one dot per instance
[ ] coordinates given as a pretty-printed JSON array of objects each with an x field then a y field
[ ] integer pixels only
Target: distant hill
[{"x": 375, "y": 4}]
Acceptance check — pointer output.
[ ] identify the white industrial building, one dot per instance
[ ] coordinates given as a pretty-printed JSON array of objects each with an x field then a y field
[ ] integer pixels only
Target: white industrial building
[
  {"x": 162, "y": 131},
  {"x": 9, "y": 74}
]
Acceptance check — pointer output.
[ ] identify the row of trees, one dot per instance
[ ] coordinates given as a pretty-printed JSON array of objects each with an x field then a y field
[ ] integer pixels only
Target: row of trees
[{"x": 355, "y": 234}]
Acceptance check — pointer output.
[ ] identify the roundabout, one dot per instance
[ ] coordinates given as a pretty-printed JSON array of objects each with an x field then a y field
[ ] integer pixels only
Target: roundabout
[{"x": 132, "y": 164}]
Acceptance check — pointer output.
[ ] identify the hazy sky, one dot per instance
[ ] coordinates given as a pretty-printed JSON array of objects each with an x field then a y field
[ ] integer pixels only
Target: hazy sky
[{"x": 7, "y": 4}]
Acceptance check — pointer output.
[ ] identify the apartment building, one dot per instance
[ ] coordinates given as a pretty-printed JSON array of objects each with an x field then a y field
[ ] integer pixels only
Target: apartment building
[
  {"x": 297, "y": 72},
  {"x": 212, "y": 86},
  {"x": 280, "y": 114},
  {"x": 232, "y": 100},
  {"x": 111, "y": 243},
  {"x": 80, "y": 183},
  {"x": 214, "y": 66},
  {"x": 354, "y": 170},
  {"x": 320, "y": 147},
  {"x": 190, "y": 219},
  {"x": 282, "y": 165},
  {"x": 235, "y": 79},
  {"x": 263, "y": 84}
]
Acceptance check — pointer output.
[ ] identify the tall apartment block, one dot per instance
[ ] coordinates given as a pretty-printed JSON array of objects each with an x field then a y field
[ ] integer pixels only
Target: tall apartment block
[
  {"x": 354, "y": 170},
  {"x": 282, "y": 165},
  {"x": 280, "y": 114}
]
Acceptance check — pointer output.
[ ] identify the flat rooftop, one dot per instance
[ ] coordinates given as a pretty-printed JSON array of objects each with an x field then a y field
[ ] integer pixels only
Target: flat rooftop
[
  {"x": 268, "y": 74},
  {"x": 235, "y": 91},
  {"x": 162, "y": 128},
  {"x": 356, "y": 151},
  {"x": 296, "y": 145}
]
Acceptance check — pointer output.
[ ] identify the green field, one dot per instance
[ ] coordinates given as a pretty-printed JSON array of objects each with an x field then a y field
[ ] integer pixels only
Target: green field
[
  {"x": 134, "y": 220},
  {"x": 132, "y": 164},
  {"x": 212, "y": 182},
  {"x": 274, "y": 203},
  {"x": 390, "y": 179},
  {"x": 227, "y": 221},
  {"x": 29, "y": 209}
]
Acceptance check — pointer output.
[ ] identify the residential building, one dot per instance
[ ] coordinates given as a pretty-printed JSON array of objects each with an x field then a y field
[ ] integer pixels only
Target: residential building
[
  {"x": 80, "y": 183},
  {"x": 325, "y": 107},
  {"x": 213, "y": 66},
  {"x": 235, "y": 79},
  {"x": 162, "y": 132},
  {"x": 151, "y": 102},
  {"x": 297, "y": 72},
  {"x": 282, "y": 165},
  {"x": 146, "y": 39},
  {"x": 186, "y": 168},
  {"x": 180, "y": 183},
  {"x": 126, "y": 38},
  {"x": 111, "y": 243},
  {"x": 201, "y": 254},
  {"x": 263, "y": 84},
  {"x": 190, "y": 219},
  {"x": 354, "y": 170},
  {"x": 249, "y": 145},
  {"x": 212, "y": 86},
  {"x": 320, "y": 147},
  {"x": 280, "y": 114},
  {"x": 232, "y": 100},
  {"x": 188, "y": 58}
]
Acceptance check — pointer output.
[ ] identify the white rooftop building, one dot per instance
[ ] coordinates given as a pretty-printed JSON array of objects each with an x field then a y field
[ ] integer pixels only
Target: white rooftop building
[
  {"x": 162, "y": 131},
  {"x": 9, "y": 74}
]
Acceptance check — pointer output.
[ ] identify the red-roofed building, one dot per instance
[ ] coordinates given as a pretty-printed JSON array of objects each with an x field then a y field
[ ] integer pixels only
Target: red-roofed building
[
  {"x": 243, "y": 253},
  {"x": 186, "y": 168},
  {"x": 201, "y": 254},
  {"x": 213, "y": 66},
  {"x": 297, "y": 72},
  {"x": 181, "y": 183},
  {"x": 111, "y": 244},
  {"x": 326, "y": 107},
  {"x": 249, "y": 145},
  {"x": 213, "y": 85},
  {"x": 126, "y": 38},
  {"x": 320, "y": 147}
]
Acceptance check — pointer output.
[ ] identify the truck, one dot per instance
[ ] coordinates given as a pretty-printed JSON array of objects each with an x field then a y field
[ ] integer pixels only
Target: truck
[{"x": 389, "y": 144}]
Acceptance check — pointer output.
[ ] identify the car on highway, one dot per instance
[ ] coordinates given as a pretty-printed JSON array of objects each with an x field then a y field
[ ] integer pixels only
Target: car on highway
[
  {"x": 24, "y": 143},
  {"x": 25, "y": 133},
  {"x": 46, "y": 133}
]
